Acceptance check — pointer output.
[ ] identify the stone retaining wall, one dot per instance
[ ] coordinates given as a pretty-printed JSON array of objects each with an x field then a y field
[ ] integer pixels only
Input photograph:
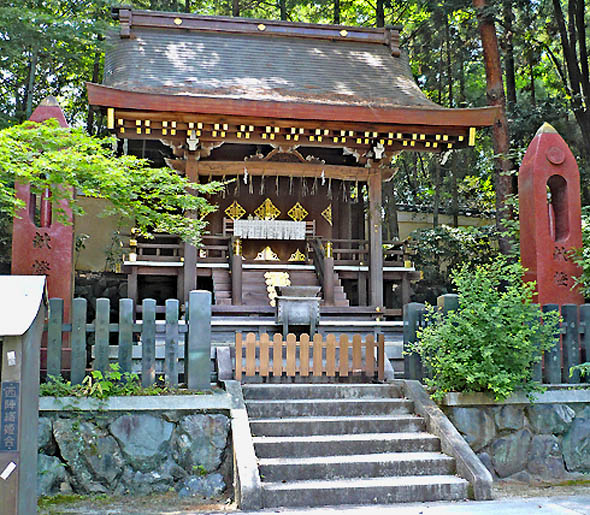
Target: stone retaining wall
[
  {"x": 546, "y": 440},
  {"x": 134, "y": 452}
]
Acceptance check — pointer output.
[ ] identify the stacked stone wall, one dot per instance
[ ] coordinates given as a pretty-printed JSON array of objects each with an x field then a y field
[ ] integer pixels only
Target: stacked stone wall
[
  {"x": 134, "y": 453},
  {"x": 528, "y": 442}
]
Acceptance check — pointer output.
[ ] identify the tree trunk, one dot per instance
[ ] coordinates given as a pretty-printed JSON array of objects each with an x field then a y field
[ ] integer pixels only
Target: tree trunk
[
  {"x": 283, "y": 8},
  {"x": 495, "y": 94},
  {"x": 533, "y": 92},
  {"x": 449, "y": 63},
  {"x": 436, "y": 200},
  {"x": 454, "y": 191},
  {"x": 509, "y": 55},
  {"x": 95, "y": 80},
  {"x": 380, "y": 13},
  {"x": 31, "y": 83},
  {"x": 235, "y": 8},
  {"x": 337, "y": 12},
  {"x": 187, "y": 6}
]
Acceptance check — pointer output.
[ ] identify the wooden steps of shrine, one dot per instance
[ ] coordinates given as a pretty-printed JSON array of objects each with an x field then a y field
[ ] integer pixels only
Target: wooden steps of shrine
[{"x": 254, "y": 287}]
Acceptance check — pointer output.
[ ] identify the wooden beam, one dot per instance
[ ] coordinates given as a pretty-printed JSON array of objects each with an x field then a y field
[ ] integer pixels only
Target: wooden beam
[
  {"x": 270, "y": 168},
  {"x": 234, "y": 25},
  {"x": 375, "y": 240},
  {"x": 106, "y": 96}
]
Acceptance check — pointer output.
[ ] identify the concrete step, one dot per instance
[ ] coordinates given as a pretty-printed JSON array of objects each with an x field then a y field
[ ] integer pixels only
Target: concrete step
[
  {"x": 339, "y": 445},
  {"x": 354, "y": 466},
  {"x": 327, "y": 407},
  {"x": 364, "y": 491},
  {"x": 319, "y": 391},
  {"x": 308, "y": 425}
]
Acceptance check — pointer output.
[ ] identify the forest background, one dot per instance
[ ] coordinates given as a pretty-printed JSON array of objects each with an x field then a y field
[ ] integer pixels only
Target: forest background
[{"x": 52, "y": 47}]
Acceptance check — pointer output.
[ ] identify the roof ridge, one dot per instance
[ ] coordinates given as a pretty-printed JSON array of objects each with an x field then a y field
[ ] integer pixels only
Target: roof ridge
[{"x": 129, "y": 18}]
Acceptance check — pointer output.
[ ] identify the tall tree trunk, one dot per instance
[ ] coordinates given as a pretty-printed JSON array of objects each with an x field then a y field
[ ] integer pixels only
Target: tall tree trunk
[
  {"x": 95, "y": 80},
  {"x": 235, "y": 11},
  {"x": 187, "y": 6},
  {"x": 337, "y": 12},
  {"x": 380, "y": 13},
  {"x": 509, "y": 54},
  {"x": 532, "y": 77},
  {"x": 31, "y": 83},
  {"x": 449, "y": 64},
  {"x": 436, "y": 199},
  {"x": 579, "y": 80},
  {"x": 283, "y": 8},
  {"x": 454, "y": 190},
  {"x": 495, "y": 94}
]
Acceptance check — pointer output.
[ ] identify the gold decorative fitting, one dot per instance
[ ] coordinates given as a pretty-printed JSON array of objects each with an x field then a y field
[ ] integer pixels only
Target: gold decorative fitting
[
  {"x": 327, "y": 214},
  {"x": 237, "y": 247},
  {"x": 297, "y": 256},
  {"x": 177, "y": 21},
  {"x": 445, "y": 137},
  {"x": 110, "y": 118},
  {"x": 266, "y": 254},
  {"x": 471, "y": 142},
  {"x": 235, "y": 211},
  {"x": 133, "y": 243},
  {"x": 273, "y": 279},
  {"x": 267, "y": 210},
  {"x": 407, "y": 263},
  {"x": 399, "y": 135},
  {"x": 422, "y": 137},
  {"x": 261, "y": 26},
  {"x": 329, "y": 249},
  {"x": 460, "y": 138},
  {"x": 344, "y": 33},
  {"x": 297, "y": 212}
]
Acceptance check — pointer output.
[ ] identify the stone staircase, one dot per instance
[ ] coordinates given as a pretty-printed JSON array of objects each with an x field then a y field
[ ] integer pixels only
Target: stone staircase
[
  {"x": 254, "y": 291},
  {"x": 331, "y": 444}
]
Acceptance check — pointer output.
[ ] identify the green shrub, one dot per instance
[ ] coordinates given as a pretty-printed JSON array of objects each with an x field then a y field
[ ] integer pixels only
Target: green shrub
[{"x": 491, "y": 341}]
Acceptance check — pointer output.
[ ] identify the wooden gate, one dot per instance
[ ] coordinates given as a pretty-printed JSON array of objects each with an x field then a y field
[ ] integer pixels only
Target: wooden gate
[{"x": 321, "y": 356}]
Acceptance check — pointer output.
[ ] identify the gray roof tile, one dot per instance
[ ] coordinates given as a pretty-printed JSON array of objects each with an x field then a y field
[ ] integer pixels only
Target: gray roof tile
[{"x": 261, "y": 67}]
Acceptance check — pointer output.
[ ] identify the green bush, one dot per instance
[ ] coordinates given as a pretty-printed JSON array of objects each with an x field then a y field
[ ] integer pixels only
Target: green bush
[
  {"x": 491, "y": 341},
  {"x": 443, "y": 249}
]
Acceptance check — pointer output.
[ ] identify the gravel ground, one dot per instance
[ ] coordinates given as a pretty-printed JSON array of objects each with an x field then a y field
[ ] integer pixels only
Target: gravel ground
[{"x": 170, "y": 504}]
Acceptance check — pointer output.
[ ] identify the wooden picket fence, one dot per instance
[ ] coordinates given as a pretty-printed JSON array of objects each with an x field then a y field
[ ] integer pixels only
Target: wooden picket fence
[
  {"x": 194, "y": 333},
  {"x": 306, "y": 357},
  {"x": 572, "y": 349}
]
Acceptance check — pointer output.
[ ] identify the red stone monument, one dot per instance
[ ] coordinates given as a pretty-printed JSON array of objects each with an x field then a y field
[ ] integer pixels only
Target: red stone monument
[
  {"x": 550, "y": 210},
  {"x": 41, "y": 246}
]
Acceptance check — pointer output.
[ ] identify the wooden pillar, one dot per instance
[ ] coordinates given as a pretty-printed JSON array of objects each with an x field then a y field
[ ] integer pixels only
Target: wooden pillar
[
  {"x": 236, "y": 273},
  {"x": 190, "y": 251},
  {"x": 362, "y": 288},
  {"x": 375, "y": 240}
]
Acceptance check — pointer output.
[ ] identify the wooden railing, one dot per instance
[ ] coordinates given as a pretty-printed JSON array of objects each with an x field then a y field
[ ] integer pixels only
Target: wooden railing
[
  {"x": 215, "y": 249},
  {"x": 163, "y": 247},
  {"x": 128, "y": 332},
  {"x": 304, "y": 357}
]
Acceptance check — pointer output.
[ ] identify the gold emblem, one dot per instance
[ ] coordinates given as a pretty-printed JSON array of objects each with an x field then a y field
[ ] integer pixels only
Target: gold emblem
[
  {"x": 235, "y": 211},
  {"x": 266, "y": 254},
  {"x": 177, "y": 21},
  {"x": 297, "y": 212},
  {"x": 267, "y": 211},
  {"x": 297, "y": 256},
  {"x": 327, "y": 214}
]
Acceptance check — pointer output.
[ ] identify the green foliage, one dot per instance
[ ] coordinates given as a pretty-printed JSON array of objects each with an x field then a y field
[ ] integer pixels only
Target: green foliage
[
  {"x": 47, "y": 156},
  {"x": 582, "y": 256},
  {"x": 102, "y": 386},
  {"x": 441, "y": 250},
  {"x": 491, "y": 342},
  {"x": 583, "y": 368}
]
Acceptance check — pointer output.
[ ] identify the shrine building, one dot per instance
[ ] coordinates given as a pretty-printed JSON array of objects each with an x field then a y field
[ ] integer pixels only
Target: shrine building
[{"x": 301, "y": 122}]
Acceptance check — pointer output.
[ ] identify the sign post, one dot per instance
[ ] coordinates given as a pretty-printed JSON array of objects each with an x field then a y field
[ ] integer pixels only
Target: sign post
[{"x": 23, "y": 302}]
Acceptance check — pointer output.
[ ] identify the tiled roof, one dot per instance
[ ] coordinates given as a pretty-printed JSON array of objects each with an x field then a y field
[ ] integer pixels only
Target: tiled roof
[{"x": 246, "y": 66}]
